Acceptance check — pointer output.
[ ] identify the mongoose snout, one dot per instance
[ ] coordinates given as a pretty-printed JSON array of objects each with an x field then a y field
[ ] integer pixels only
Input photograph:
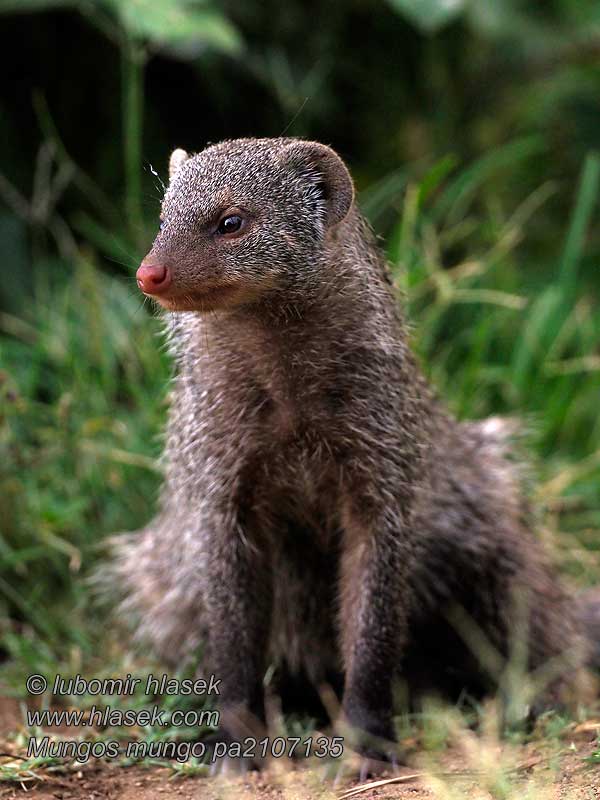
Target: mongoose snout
[{"x": 153, "y": 279}]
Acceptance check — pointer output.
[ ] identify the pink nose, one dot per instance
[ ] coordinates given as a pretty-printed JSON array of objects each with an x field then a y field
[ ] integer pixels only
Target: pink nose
[{"x": 153, "y": 278}]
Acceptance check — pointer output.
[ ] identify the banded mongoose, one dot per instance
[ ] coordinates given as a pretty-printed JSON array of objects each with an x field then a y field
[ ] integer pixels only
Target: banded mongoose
[{"x": 321, "y": 508}]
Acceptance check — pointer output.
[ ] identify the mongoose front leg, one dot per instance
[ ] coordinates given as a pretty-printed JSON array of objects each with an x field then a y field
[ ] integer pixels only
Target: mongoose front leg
[
  {"x": 374, "y": 593},
  {"x": 238, "y": 602}
]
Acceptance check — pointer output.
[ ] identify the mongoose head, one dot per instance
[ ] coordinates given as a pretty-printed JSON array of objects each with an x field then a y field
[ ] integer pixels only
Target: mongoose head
[{"x": 243, "y": 220}]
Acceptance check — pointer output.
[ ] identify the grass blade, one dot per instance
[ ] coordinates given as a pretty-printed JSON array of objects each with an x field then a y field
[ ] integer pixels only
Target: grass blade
[{"x": 584, "y": 206}]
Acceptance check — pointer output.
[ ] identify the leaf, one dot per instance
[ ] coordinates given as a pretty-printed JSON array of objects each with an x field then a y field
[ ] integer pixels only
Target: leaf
[
  {"x": 429, "y": 15},
  {"x": 176, "y": 23}
]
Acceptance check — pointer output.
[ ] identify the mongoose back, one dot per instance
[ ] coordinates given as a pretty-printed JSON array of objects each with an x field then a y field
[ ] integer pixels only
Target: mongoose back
[{"x": 321, "y": 509}]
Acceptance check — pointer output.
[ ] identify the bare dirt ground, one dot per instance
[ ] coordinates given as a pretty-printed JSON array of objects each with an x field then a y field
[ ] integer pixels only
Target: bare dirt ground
[{"x": 554, "y": 769}]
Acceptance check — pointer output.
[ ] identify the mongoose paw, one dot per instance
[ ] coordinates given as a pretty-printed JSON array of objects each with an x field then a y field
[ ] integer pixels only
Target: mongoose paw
[
  {"x": 363, "y": 766},
  {"x": 373, "y": 747},
  {"x": 371, "y": 735},
  {"x": 229, "y": 755},
  {"x": 233, "y": 766},
  {"x": 372, "y": 763}
]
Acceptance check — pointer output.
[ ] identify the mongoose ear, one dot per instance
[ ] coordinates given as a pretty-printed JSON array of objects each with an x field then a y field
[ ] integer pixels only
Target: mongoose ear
[
  {"x": 177, "y": 158},
  {"x": 327, "y": 171}
]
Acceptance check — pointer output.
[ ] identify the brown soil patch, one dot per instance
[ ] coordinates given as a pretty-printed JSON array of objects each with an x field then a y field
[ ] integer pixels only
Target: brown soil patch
[{"x": 558, "y": 768}]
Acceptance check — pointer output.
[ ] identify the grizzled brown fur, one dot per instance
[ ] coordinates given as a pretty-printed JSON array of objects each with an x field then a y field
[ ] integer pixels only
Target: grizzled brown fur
[{"x": 320, "y": 507}]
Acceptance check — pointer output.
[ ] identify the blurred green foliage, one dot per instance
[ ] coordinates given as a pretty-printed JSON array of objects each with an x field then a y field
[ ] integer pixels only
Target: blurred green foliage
[{"x": 472, "y": 129}]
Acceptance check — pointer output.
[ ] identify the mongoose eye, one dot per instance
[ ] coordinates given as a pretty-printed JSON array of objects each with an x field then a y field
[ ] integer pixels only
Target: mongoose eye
[
  {"x": 161, "y": 224},
  {"x": 230, "y": 224}
]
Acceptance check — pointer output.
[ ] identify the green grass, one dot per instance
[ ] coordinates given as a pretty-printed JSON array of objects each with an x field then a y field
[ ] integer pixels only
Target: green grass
[
  {"x": 82, "y": 385},
  {"x": 84, "y": 377}
]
